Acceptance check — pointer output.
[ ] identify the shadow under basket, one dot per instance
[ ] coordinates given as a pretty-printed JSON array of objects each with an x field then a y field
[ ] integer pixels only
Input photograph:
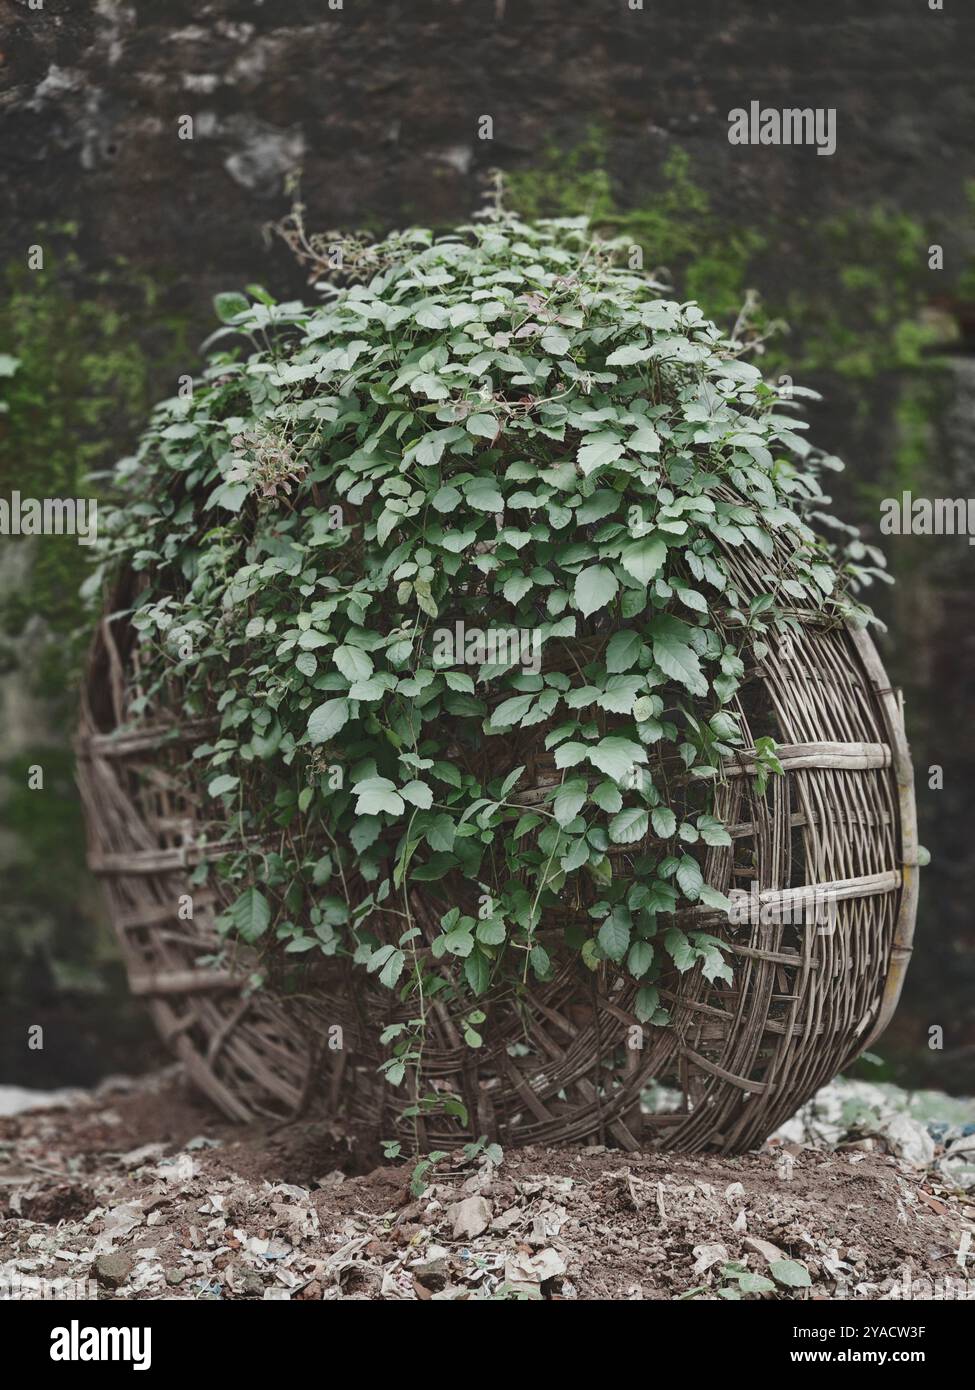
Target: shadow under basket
[{"x": 828, "y": 856}]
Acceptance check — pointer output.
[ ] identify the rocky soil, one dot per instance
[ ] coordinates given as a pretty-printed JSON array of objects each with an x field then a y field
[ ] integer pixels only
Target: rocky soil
[{"x": 139, "y": 1191}]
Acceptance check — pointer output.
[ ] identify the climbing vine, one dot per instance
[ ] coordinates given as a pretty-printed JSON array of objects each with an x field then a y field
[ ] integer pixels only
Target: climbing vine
[{"x": 446, "y": 560}]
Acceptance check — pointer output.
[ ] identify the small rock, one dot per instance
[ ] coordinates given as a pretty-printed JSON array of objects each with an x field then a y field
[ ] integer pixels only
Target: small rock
[
  {"x": 769, "y": 1252},
  {"x": 471, "y": 1217},
  {"x": 548, "y": 1264},
  {"x": 175, "y": 1276},
  {"x": 514, "y": 1216},
  {"x": 203, "y": 1141},
  {"x": 432, "y": 1263},
  {"x": 909, "y": 1140},
  {"x": 523, "y": 1270},
  {"x": 413, "y": 1211},
  {"x": 113, "y": 1270},
  {"x": 707, "y": 1255}
]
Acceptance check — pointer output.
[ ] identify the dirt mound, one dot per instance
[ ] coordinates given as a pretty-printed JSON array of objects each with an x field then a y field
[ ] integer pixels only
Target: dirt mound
[{"x": 142, "y": 1193}]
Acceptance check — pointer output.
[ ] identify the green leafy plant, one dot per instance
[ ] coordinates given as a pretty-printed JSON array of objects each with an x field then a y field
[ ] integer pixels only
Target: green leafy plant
[
  {"x": 502, "y": 431},
  {"x": 740, "y": 1281},
  {"x": 419, "y": 1181},
  {"x": 425, "y": 1166}
]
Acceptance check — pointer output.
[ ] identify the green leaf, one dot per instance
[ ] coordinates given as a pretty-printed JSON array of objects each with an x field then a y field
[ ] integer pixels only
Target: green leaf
[
  {"x": 517, "y": 587},
  {"x": 229, "y": 304},
  {"x": 791, "y": 1273},
  {"x": 393, "y": 968},
  {"x": 569, "y": 754},
  {"x": 364, "y": 833},
  {"x": 378, "y": 794},
  {"x": 644, "y": 440},
  {"x": 646, "y": 1002},
  {"x": 224, "y": 783},
  {"x": 713, "y": 964},
  {"x": 680, "y": 950},
  {"x": 511, "y": 781},
  {"x": 445, "y": 499},
  {"x": 689, "y": 877},
  {"x": 577, "y": 855},
  {"x": 354, "y": 663},
  {"x": 644, "y": 558},
  {"x": 615, "y": 756},
  {"x": 386, "y": 525},
  {"x": 485, "y": 426},
  {"x": 491, "y": 931},
  {"x": 594, "y": 588},
  {"x": 664, "y": 821},
  {"x": 712, "y": 831},
  {"x": 250, "y": 915},
  {"x": 570, "y": 799},
  {"x": 418, "y": 794},
  {"x": 430, "y": 385},
  {"x": 623, "y": 651},
  {"x": 607, "y": 797},
  {"x": 712, "y": 898},
  {"x": 555, "y": 342},
  {"x": 458, "y": 680},
  {"x": 629, "y": 826},
  {"x": 754, "y": 1283},
  {"x": 458, "y": 943},
  {"x": 640, "y": 959},
  {"x": 326, "y": 721},
  {"x": 511, "y": 711},
  {"x": 600, "y": 504},
  {"x": 693, "y": 600},
  {"x": 367, "y": 690},
  {"x": 525, "y": 823},
  {"x": 620, "y": 694},
  {"x": 540, "y": 963},
  {"x": 679, "y": 662},
  {"x": 440, "y": 834},
  {"x": 484, "y": 497},
  {"x": 477, "y": 971},
  {"x": 614, "y": 935},
  {"x": 598, "y": 450},
  {"x": 628, "y": 355}
]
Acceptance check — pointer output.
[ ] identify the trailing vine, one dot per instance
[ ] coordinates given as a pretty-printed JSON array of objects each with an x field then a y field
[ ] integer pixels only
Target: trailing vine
[{"x": 447, "y": 562}]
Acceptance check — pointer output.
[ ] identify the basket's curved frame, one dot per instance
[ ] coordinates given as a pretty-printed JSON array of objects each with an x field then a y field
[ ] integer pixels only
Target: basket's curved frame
[{"x": 561, "y": 1063}]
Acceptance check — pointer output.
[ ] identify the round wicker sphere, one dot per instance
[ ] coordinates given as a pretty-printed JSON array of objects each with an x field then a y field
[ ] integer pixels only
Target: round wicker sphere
[
  {"x": 818, "y": 950},
  {"x": 751, "y": 1007}
]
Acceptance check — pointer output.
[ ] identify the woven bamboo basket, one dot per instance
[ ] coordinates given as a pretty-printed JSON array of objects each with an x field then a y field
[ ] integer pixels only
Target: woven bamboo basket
[{"x": 567, "y": 1060}]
